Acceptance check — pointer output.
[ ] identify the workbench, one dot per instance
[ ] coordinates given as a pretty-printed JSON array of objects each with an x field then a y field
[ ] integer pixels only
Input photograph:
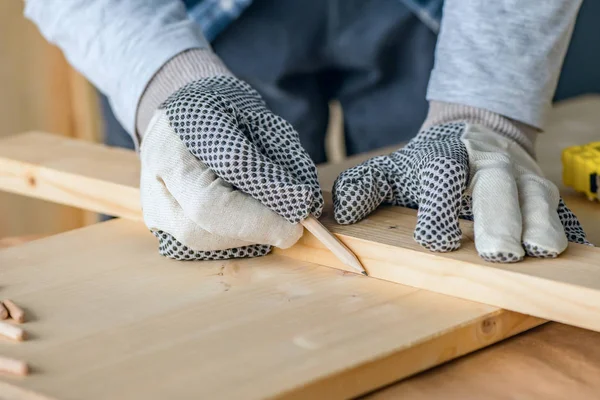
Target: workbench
[{"x": 560, "y": 358}]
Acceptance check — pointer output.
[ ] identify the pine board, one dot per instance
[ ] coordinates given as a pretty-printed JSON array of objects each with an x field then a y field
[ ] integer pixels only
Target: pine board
[
  {"x": 72, "y": 172},
  {"x": 566, "y": 289},
  {"x": 550, "y": 362},
  {"x": 66, "y": 171},
  {"x": 112, "y": 319}
]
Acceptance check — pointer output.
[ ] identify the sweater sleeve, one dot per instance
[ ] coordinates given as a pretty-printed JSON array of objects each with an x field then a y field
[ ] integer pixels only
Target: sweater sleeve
[
  {"x": 117, "y": 44},
  {"x": 504, "y": 56}
]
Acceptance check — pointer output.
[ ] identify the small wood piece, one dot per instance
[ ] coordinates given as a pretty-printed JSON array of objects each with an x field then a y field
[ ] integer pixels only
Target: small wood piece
[
  {"x": 11, "y": 331},
  {"x": 13, "y": 367},
  {"x": 334, "y": 244},
  {"x": 14, "y": 310},
  {"x": 3, "y": 312}
]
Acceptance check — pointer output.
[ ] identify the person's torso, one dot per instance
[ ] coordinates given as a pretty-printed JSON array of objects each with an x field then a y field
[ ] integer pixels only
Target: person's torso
[{"x": 215, "y": 15}]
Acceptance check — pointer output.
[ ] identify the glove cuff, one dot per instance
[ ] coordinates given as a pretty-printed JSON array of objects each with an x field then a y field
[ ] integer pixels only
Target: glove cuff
[
  {"x": 442, "y": 112},
  {"x": 182, "y": 69}
]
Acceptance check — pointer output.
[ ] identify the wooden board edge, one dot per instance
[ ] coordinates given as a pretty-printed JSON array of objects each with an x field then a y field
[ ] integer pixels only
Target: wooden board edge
[
  {"x": 457, "y": 278},
  {"x": 70, "y": 189},
  {"x": 385, "y": 370}
]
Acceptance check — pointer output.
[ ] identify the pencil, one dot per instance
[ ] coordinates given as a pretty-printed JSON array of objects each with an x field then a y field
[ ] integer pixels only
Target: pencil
[{"x": 339, "y": 249}]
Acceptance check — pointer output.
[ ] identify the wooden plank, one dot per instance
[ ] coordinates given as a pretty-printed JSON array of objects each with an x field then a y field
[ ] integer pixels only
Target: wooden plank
[
  {"x": 552, "y": 362},
  {"x": 73, "y": 172},
  {"x": 109, "y": 318},
  {"x": 566, "y": 289},
  {"x": 530, "y": 287}
]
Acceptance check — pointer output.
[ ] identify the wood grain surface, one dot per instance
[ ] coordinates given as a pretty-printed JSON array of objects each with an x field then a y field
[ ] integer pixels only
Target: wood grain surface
[
  {"x": 565, "y": 289},
  {"x": 109, "y": 318},
  {"x": 380, "y": 240}
]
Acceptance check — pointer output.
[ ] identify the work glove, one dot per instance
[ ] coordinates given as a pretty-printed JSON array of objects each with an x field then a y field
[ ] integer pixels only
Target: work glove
[
  {"x": 222, "y": 176},
  {"x": 465, "y": 169}
]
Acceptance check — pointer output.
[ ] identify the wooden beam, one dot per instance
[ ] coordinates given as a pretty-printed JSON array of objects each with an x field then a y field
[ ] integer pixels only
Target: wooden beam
[
  {"x": 112, "y": 319},
  {"x": 566, "y": 289},
  {"x": 73, "y": 172}
]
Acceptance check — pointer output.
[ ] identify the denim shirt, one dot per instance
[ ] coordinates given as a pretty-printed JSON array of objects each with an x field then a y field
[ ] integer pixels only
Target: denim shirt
[
  {"x": 481, "y": 60},
  {"x": 215, "y": 15}
]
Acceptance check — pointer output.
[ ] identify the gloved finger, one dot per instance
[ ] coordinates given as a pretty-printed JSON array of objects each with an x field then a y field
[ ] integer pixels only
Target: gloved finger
[
  {"x": 207, "y": 200},
  {"x": 213, "y": 130},
  {"x": 358, "y": 191},
  {"x": 173, "y": 248},
  {"x": 196, "y": 243},
  {"x": 442, "y": 184},
  {"x": 279, "y": 141},
  {"x": 496, "y": 211},
  {"x": 571, "y": 225},
  {"x": 543, "y": 233},
  {"x": 162, "y": 213}
]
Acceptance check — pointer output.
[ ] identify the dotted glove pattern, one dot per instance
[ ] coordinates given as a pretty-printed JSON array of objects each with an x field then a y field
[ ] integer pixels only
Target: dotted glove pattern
[
  {"x": 430, "y": 174},
  {"x": 225, "y": 124}
]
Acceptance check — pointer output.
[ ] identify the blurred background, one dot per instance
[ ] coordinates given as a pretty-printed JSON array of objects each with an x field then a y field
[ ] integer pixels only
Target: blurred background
[{"x": 40, "y": 91}]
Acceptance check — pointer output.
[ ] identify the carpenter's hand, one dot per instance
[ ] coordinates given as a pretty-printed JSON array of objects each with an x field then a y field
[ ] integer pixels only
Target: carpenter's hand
[
  {"x": 222, "y": 176},
  {"x": 464, "y": 170}
]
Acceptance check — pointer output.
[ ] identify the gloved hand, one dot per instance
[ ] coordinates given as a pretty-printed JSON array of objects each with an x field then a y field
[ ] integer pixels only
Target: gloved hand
[
  {"x": 222, "y": 176},
  {"x": 464, "y": 170}
]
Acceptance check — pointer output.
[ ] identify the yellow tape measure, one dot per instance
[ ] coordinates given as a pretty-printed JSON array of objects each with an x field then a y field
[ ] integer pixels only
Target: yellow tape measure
[{"x": 581, "y": 169}]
